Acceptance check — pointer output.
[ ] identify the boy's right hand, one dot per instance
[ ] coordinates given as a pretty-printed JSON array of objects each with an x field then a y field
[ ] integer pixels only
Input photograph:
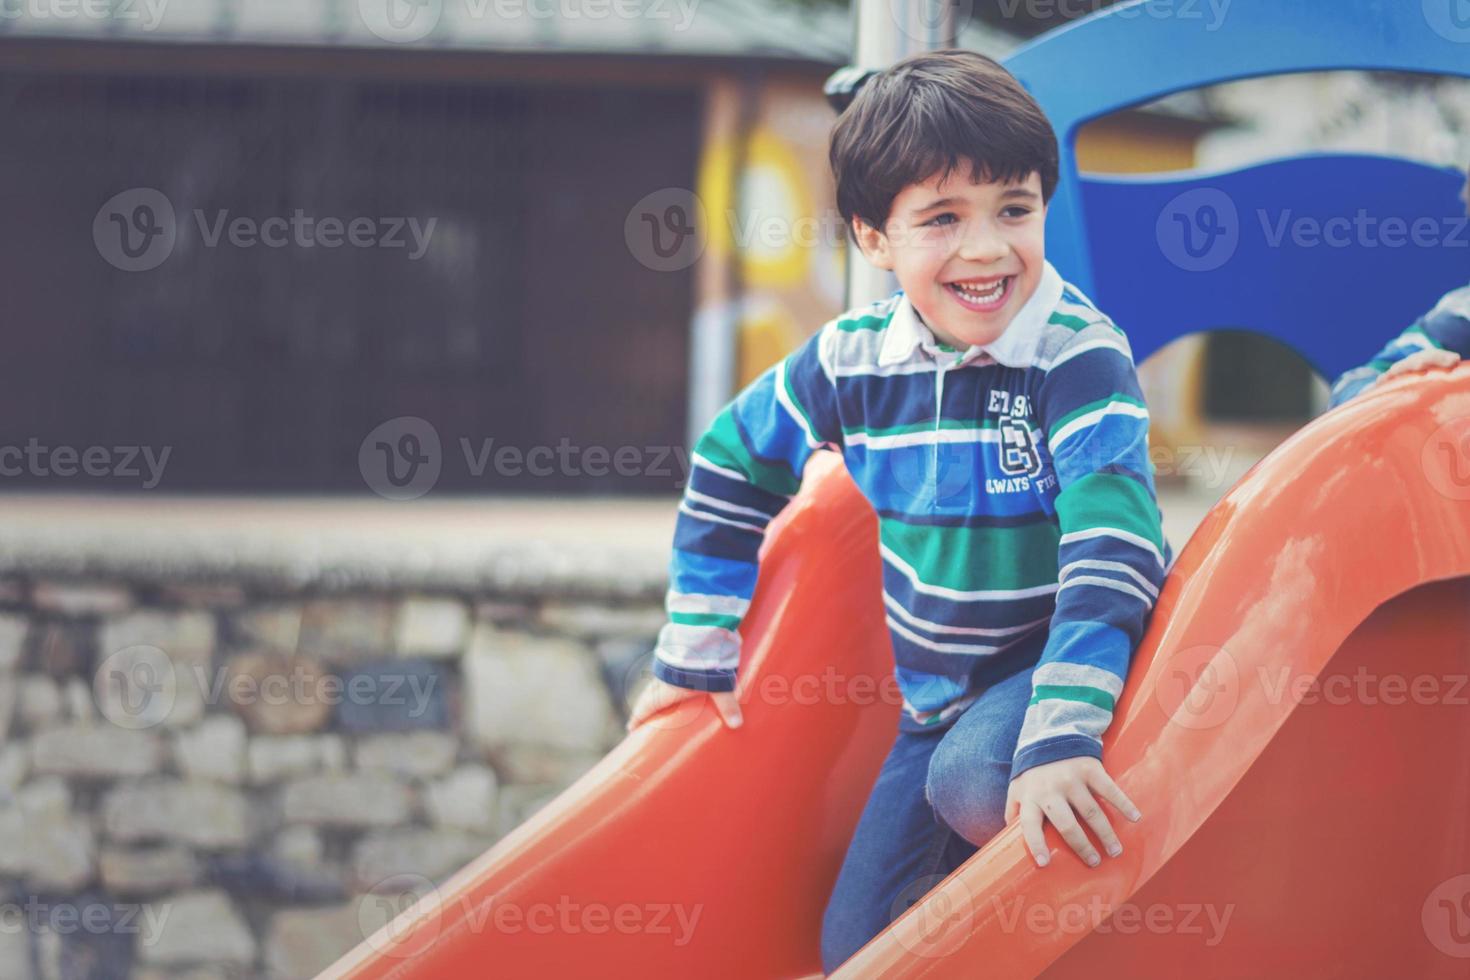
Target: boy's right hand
[
  {"x": 658, "y": 695},
  {"x": 1423, "y": 360}
]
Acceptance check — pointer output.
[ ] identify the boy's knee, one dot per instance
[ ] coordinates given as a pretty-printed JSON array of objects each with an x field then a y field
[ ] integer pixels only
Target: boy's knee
[{"x": 968, "y": 794}]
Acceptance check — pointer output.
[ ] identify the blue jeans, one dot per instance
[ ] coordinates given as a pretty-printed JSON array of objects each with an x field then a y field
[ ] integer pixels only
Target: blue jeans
[{"x": 939, "y": 796}]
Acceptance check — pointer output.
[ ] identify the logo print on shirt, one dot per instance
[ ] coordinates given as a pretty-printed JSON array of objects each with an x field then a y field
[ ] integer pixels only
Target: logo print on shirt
[{"x": 1018, "y": 455}]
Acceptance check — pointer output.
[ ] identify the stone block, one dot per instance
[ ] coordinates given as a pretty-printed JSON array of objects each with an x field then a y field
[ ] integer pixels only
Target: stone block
[
  {"x": 431, "y": 627},
  {"x": 421, "y": 754},
  {"x": 198, "y": 813},
  {"x": 213, "y": 749},
  {"x": 347, "y": 801},
  {"x": 198, "y": 928},
  {"x": 522, "y": 688}
]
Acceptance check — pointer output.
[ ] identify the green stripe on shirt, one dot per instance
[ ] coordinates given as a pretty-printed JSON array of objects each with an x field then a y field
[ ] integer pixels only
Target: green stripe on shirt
[
  {"x": 863, "y": 323},
  {"x": 723, "y": 446},
  {"x": 705, "y": 619},
  {"x": 970, "y": 559},
  {"x": 1092, "y": 407},
  {"x": 1110, "y": 500},
  {"x": 1073, "y": 692},
  {"x": 929, "y": 426}
]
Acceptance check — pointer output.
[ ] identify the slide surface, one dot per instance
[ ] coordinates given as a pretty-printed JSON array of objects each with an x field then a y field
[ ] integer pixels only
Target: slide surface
[{"x": 1294, "y": 730}]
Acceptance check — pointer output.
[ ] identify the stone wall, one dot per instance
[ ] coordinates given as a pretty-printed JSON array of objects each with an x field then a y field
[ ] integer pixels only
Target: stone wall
[{"x": 216, "y": 781}]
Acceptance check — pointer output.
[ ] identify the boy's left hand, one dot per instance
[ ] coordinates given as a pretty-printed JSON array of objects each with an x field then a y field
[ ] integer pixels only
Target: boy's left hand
[{"x": 1057, "y": 789}]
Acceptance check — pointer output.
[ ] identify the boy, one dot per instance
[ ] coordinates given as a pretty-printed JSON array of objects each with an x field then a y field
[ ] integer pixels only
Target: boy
[
  {"x": 1438, "y": 339},
  {"x": 993, "y": 418}
]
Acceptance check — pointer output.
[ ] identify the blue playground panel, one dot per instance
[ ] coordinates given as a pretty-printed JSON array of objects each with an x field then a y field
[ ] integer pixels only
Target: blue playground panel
[{"x": 1330, "y": 253}]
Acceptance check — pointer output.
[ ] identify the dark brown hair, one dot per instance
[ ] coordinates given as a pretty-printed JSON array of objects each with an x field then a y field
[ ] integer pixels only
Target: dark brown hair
[{"x": 927, "y": 113}]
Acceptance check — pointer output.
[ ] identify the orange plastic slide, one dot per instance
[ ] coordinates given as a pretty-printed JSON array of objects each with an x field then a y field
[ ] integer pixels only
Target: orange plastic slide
[{"x": 1295, "y": 730}]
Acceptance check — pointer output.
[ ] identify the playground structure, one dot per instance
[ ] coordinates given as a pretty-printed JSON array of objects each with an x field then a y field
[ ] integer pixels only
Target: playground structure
[{"x": 1286, "y": 828}]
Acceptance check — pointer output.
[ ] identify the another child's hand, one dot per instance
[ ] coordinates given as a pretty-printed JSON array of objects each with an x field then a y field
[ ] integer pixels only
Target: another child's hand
[
  {"x": 658, "y": 695},
  {"x": 1423, "y": 360},
  {"x": 1055, "y": 790}
]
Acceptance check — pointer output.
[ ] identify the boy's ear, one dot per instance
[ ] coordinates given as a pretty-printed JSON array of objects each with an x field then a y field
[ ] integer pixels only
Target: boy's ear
[{"x": 873, "y": 243}]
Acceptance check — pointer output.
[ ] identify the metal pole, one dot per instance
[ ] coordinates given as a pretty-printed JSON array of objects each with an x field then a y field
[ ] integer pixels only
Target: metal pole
[{"x": 886, "y": 31}]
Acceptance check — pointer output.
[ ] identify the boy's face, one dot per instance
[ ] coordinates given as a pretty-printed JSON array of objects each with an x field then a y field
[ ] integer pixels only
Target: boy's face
[{"x": 968, "y": 255}]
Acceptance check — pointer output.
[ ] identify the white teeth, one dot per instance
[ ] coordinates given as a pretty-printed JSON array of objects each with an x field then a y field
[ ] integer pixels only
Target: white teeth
[{"x": 989, "y": 296}]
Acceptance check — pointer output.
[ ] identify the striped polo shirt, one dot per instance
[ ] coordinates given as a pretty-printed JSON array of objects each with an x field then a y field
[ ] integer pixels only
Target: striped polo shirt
[
  {"x": 1446, "y": 327},
  {"x": 1016, "y": 511}
]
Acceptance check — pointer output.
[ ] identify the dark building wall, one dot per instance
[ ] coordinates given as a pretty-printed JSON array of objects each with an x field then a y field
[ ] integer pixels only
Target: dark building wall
[{"x": 525, "y": 320}]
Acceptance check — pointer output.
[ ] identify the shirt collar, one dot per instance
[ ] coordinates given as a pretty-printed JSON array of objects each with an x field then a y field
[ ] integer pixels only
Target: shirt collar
[{"x": 1016, "y": 347}]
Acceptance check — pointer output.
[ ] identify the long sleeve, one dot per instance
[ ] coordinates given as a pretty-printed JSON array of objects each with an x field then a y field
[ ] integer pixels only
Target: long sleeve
[
  {"x": 745, "y": 469},
  {"x": 1446, "y": 327},
  {"x": 1111, "y": 552}
]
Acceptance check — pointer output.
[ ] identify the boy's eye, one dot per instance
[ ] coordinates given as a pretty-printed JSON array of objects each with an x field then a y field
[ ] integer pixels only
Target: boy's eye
[
  {"x": 1016, "y": 211},
  {"x": 940, "y": 219}
]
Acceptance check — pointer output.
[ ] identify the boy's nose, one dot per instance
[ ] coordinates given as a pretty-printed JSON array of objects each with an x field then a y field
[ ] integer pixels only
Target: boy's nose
[{"x": 983, "y": 247}]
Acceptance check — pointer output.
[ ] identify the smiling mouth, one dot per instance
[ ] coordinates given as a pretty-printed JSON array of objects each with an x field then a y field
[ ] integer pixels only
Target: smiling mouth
[{"x": 982, "y": 296}]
